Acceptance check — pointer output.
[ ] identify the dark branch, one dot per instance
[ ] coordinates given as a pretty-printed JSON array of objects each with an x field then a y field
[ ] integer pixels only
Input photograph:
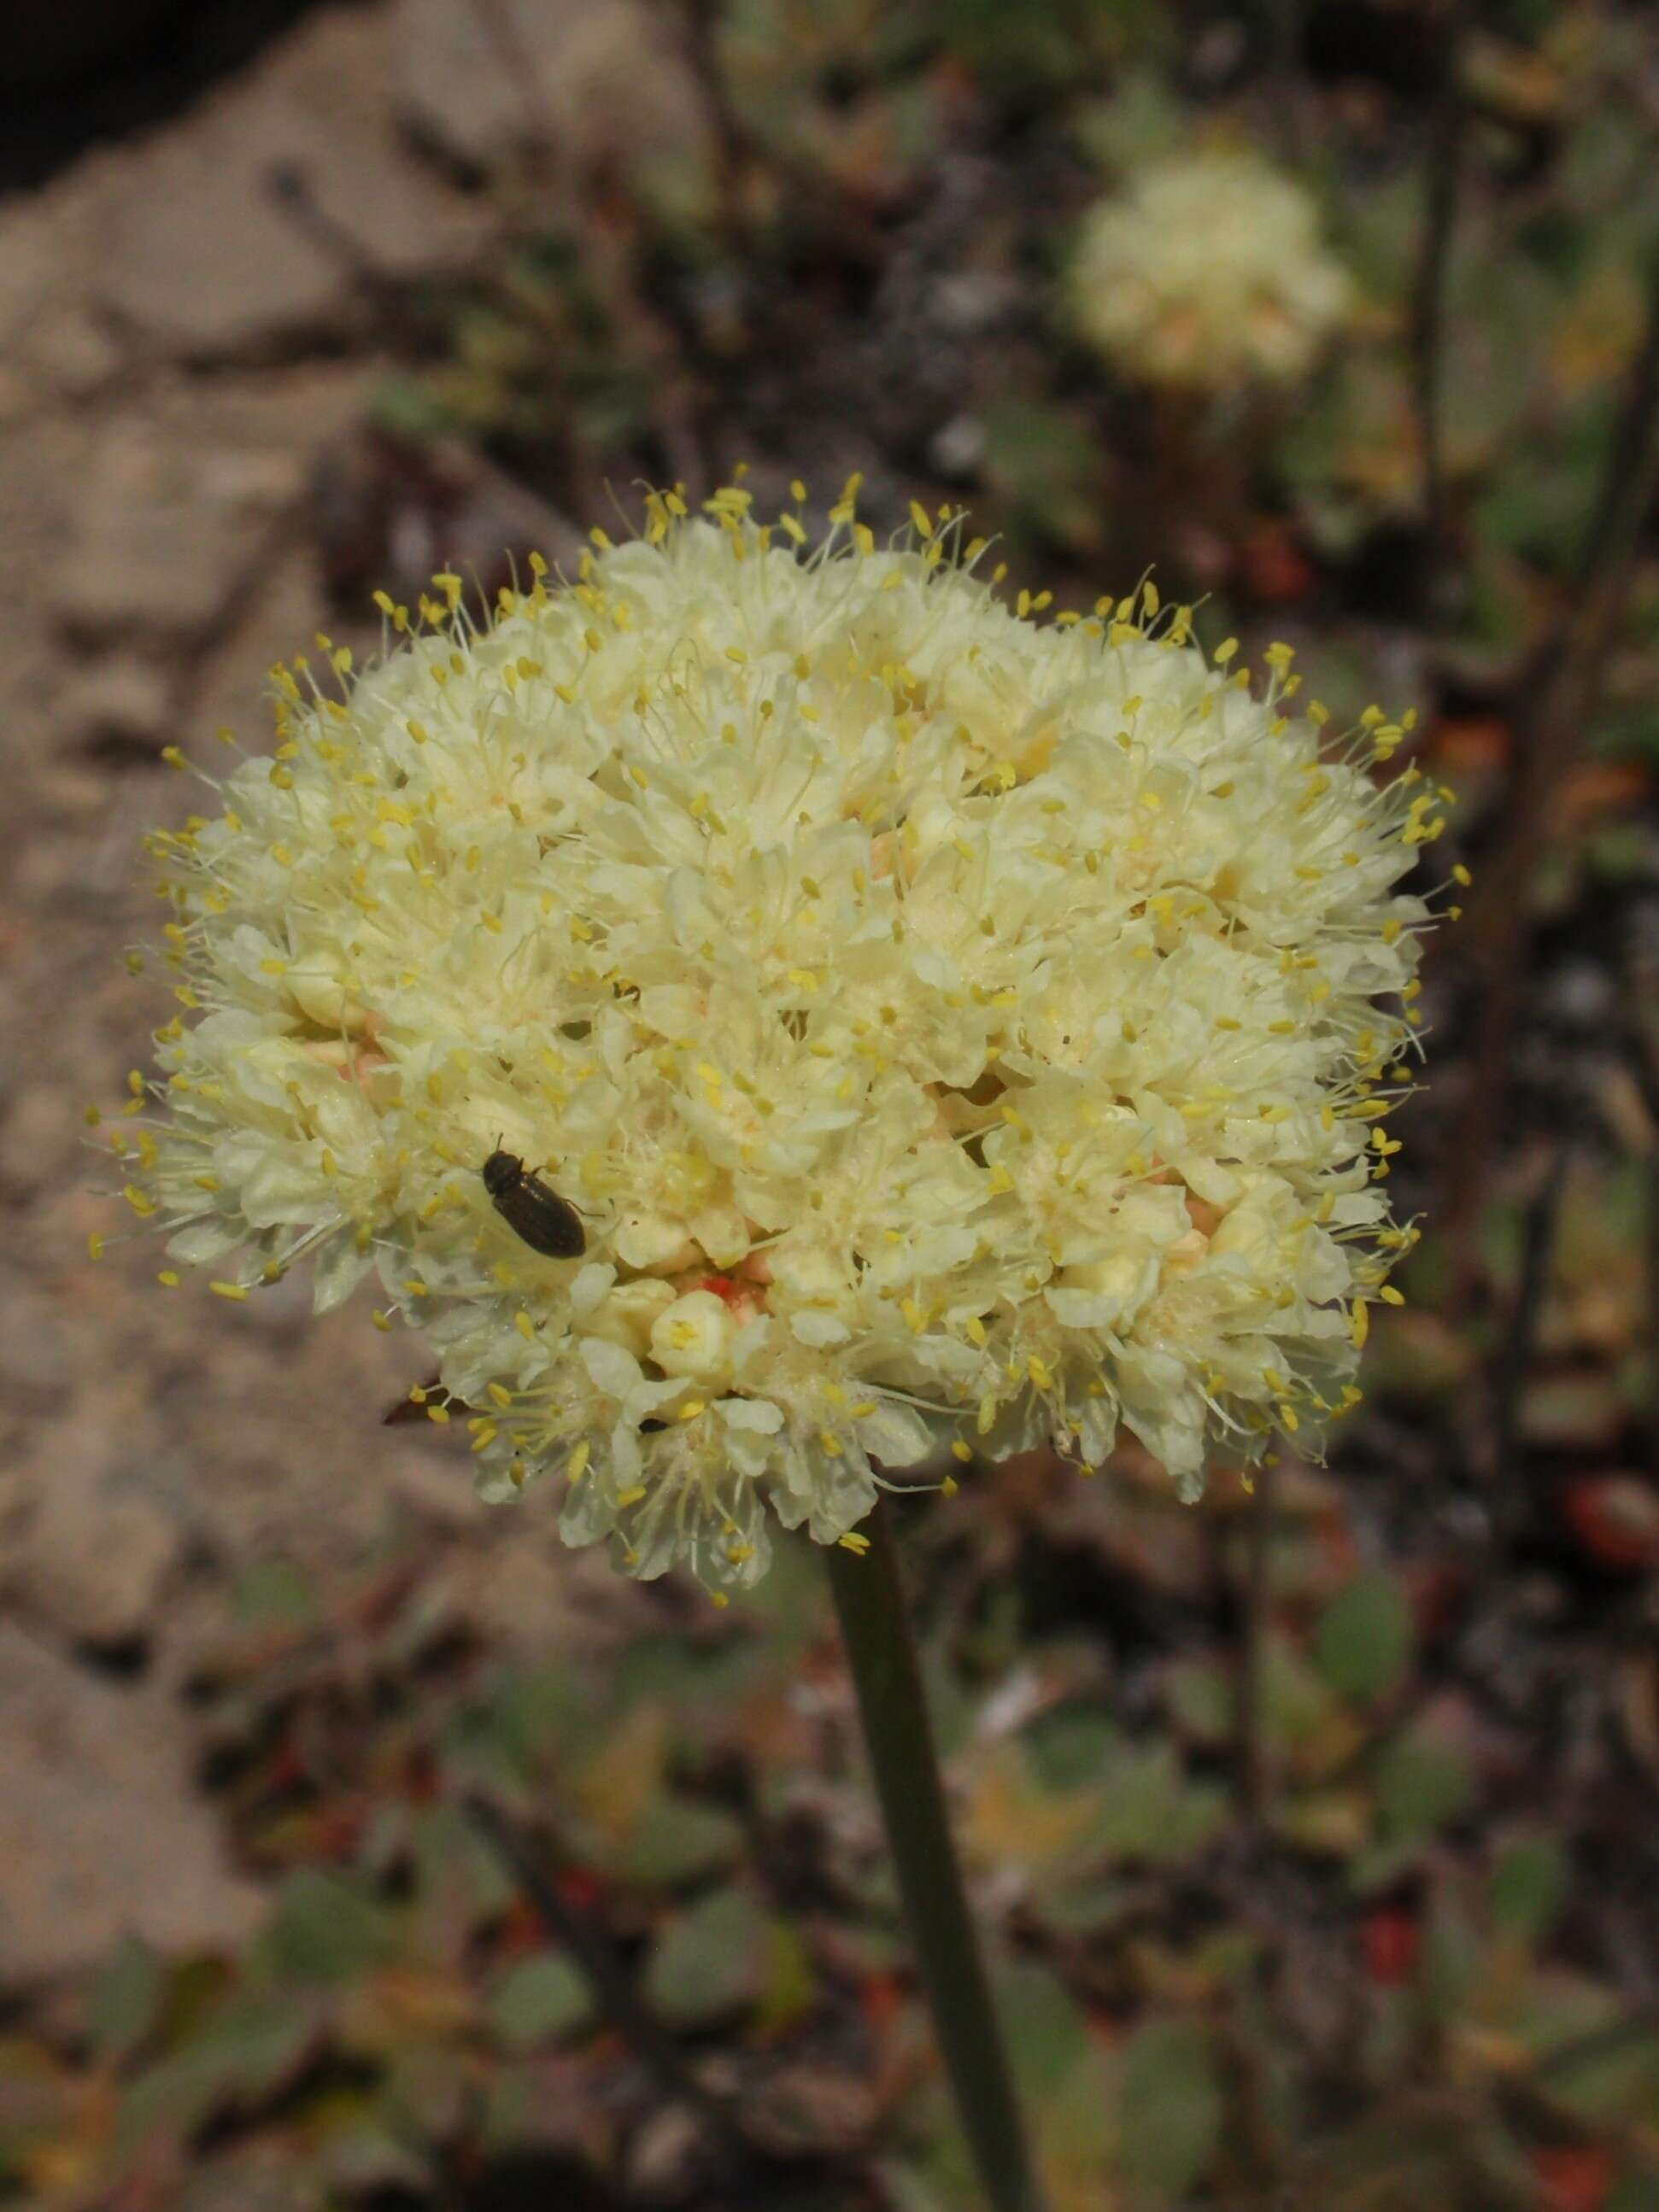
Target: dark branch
[
  {"x": 610, "y": 1982},
  {"x": 1429, "y": 297},
  {"x": 1551, "y": 710}
]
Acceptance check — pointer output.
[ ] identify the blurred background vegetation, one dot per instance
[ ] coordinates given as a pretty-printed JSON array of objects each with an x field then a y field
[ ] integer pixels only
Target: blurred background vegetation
[{"x": 1314, "y": 1830}]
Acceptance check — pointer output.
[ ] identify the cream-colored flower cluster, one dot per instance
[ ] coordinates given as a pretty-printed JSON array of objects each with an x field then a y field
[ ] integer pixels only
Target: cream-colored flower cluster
[
  {"x": 957, "y": 1026},
  {"x": 1209, "y": 272}
]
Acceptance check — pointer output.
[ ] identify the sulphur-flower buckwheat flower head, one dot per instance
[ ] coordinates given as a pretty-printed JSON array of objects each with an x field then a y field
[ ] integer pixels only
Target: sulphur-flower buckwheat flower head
[
  {"x": 1207, "y": 272},
  {"x": 948, "y": 1022}
]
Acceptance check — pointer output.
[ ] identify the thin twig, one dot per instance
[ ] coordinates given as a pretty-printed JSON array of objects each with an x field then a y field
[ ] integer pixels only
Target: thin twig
[
  {"x": 1601, "y": 578},
  {"x": 1562, "y": 685},
  {"x": 1553, "y": 710},
  {"x": 1638, "y": 980},
  {"x": 1514, "y": 1359},
  {"x": 1429, "y": 298},
  {"x": 612, "y": 1983}
]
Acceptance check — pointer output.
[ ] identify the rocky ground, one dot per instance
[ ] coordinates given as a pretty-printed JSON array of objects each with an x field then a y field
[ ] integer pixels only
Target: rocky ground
[{"x": 192, "y": 322}]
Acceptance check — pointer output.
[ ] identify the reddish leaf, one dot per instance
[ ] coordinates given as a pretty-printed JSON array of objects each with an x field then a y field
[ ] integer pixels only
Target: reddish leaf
[
  {"x": 338, "y": 1828},
  {"x": 1390, "y": 1938},
  {"x": 1273, "y": 567},
  {"x": 1574, "y": 2177},
  {"x": 883, "y": 1999},
  {"x": 523, "y": 1931},
  {"x": 289, "y": 1767},
  {"x": 423, "y": 1781},
  {"x": 1473, "y": 744},
  {"x": 1599, "y": 787},
  {"x": 1616, "y": 1519},
  {"x": 580, "y": 1888}
]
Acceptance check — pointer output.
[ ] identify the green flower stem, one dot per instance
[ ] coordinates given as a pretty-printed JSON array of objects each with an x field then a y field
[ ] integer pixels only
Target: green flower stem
[{"x": 875, "y": 1625}]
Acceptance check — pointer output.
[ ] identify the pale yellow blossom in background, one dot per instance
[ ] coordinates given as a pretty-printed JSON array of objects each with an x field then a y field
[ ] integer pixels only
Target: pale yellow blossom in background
[
  {"x": 953, "y": 1022},
  {"x": 1207, "y": 272}
]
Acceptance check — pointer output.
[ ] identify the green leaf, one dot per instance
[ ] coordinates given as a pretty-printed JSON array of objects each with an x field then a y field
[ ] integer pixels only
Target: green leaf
[
  {"x": 1364, "y": 1638},
  {"x": 536, "y": 1714},
  {"x": 1064, "y": 2079},
  {"x": 450, "y": 1857},
  {"x": 1421, "y": 1784},
  {"x": 1072, "y": 1748},
  {"x": 426, "y": 2092},
  {"x": 275, "y": 1590},
  {"x": 789, "y": 1984},
  {"x": 327, "y": 1928},
  {"x": 1139, "y": 124},
  {"x": 1169, "y": 2109},
  {"x": 1047, "y": 2031},
  {"x": 362, "y": 2158},
  {"x": 1530, "y": 1886},
  {"x": 1614, "y": 2089},
  {"x": 125, "y": 2002},
  {"x": 676, "y": 1841},
  {"x": 906, "y": 2191},
  {"x": 1455, "y": 1950},
  {"x": 1152, "y": 1811},
  {"x": 1557, "y": 2007},
  {"x": 242, "y": 2055},
  {"x": 711, "y": 1960},
  {"x": 1044, "y": 47},
  {"x": 1203, "y": 1701},
  {"x": 1296, "y": 1704},
  {"x": 1384, "y": 1864},
  {"x": 537, "y": 2001}
]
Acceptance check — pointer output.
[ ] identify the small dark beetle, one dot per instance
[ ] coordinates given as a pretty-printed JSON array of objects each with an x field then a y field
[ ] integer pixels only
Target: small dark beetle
[{"x": 546, "y": 1221}]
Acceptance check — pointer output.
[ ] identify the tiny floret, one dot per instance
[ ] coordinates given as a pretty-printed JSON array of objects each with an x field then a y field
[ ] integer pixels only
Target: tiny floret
[
  {"x": 1207, "y": 272},
  {"x": 769, "y": 1012}
]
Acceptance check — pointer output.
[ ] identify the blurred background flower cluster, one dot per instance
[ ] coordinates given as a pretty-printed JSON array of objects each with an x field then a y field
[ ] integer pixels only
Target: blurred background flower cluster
[{"x": 1315, "y": 1828}]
